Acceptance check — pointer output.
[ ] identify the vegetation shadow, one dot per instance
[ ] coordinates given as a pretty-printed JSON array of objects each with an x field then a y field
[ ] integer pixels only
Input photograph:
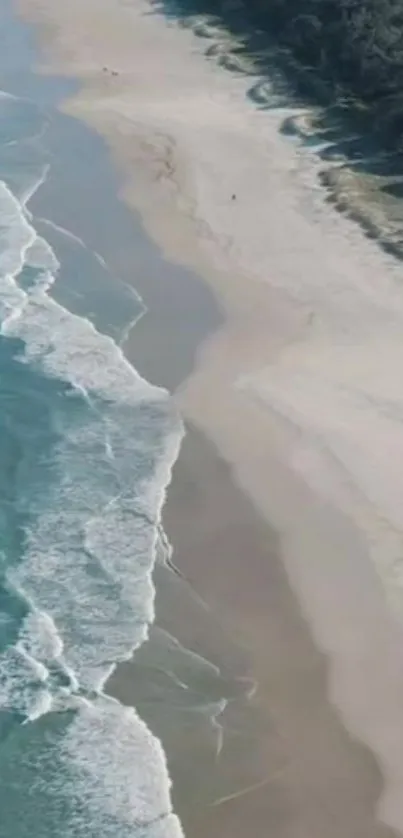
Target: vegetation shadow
[{"x": 340, "y": 128}]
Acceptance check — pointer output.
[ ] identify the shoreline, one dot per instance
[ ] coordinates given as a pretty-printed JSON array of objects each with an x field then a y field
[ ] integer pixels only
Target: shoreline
[
  {"x": 298, "y": 511},
  {"x": 255, "y": 632}
]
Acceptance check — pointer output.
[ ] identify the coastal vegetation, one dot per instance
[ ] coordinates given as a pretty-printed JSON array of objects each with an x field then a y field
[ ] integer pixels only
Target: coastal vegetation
[
  {"x": 354, "y": 47},
  {"x": 347, "y": 53}
]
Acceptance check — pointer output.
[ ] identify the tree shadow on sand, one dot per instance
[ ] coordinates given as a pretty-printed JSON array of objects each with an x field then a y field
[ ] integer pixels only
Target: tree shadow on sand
[{"x": 338, "y": 128}]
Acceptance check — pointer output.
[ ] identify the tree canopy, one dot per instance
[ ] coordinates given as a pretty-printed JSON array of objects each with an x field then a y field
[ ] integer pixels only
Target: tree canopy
[{"x": 354, "y": 46}]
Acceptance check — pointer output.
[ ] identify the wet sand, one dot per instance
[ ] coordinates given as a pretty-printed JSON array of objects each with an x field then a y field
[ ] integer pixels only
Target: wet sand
[
  {"x": 287, "y": 766},
  {"x": 292, "y": 561}
]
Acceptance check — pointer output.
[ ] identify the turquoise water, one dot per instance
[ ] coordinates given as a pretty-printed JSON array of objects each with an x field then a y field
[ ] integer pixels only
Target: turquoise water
[{"x": 86, "y": 448}]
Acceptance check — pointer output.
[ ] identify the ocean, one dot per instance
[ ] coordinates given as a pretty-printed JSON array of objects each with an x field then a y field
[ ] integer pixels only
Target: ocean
[
  {"x": 86, "y": 447},
  {"x": 88, "y": 444}
]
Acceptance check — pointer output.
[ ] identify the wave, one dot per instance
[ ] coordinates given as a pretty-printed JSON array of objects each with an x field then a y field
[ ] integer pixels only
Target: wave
[{"x": 88, "y": 503}]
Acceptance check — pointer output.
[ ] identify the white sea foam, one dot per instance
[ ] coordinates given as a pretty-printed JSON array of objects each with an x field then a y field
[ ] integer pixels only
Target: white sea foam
[
  {"x": 168, "y": 651},
  {"x": 16, "y": 234},
  {"x": 86, "y": 572},
  {"x": 81, "y": 243},
  {"x": 105, "y": 748},
  {"x": 22, "y": 682},
  {"x": 10, "y": 96},
  {"x": 22, "y": 127},
  {"x": 33, "y": 187},
  {"x": 39, "y": 636},
  {"x": 41, "y": 255}
]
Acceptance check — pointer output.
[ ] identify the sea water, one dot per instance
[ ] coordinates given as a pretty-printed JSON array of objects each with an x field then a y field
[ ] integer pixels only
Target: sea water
[{"x": 86, "y": 449}]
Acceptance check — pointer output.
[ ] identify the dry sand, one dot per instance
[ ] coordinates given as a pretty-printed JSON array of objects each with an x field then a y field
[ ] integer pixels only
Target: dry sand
[{"x": 301, "y": 393}]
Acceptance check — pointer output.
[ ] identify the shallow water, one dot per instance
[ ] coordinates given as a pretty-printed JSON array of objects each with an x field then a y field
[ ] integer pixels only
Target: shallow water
[{"x": 86, "y": 447}]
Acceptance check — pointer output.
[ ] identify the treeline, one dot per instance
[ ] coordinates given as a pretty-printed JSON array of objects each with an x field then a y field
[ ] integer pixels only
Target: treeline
[
  {"x": 342, "y": 51},
  {"x": 355, "y": 47}
]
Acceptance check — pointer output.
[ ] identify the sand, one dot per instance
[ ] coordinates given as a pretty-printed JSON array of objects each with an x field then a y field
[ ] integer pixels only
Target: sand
[
  {"x": 286, "y": 752},
  {"x": 287, "y": 521}
]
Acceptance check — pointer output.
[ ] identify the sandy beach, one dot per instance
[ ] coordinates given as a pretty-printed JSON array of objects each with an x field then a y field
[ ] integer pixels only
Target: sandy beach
[{"x": 284, "y": 511}]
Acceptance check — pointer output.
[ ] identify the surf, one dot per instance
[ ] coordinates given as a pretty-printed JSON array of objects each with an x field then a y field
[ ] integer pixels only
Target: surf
[{"x": 84, "y": 526}]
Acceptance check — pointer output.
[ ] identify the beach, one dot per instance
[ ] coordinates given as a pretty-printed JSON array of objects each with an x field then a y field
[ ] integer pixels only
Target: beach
[{"x": 283, "y": 512}]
